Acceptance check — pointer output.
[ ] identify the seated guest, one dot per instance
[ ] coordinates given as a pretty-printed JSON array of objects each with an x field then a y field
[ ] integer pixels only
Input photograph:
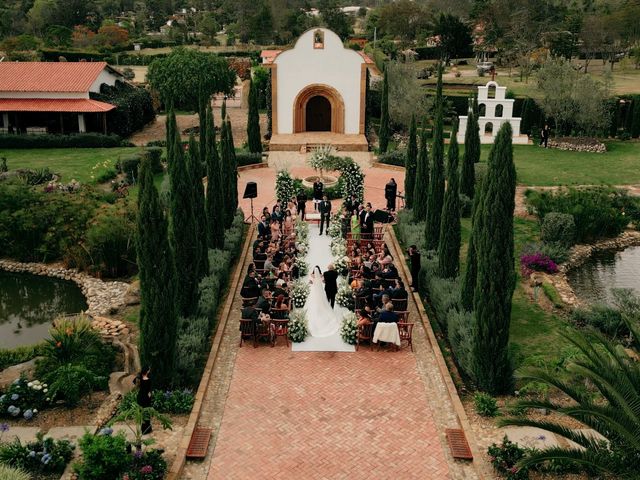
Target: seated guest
[
  {"x": 382, "y": 302},
  {"x": 388, "y": 315},
  {"x": 399, "y": 292},
  {"x": 277, "y": 214},
  {"x": 365, "y": 315},
  {"x": 263, "y": 304},
  {"x": 295, "y": 271},
  {"x": 389, "y": 272},
  {"x": 259, "y": 255},
  {"x": 250, "y": 286},
  {"x": 268, "y": 264}
]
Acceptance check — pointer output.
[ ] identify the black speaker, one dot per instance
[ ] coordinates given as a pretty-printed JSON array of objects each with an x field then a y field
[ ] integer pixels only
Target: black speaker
[{"x": 251, "y": 190}]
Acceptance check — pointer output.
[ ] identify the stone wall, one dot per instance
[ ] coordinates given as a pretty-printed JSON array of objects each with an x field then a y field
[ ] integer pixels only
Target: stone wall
[{"x": 102, "y": 297}]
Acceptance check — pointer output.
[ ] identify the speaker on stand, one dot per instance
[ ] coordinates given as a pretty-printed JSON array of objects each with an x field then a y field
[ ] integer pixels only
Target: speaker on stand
[{"x": 251, "y": 192}]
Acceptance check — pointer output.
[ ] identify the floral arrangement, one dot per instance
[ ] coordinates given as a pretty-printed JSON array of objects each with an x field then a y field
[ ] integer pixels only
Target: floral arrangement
[
  {"x": 285, "y": 188},
  {"x": 342, "y": 264},
  {"x": 349, "y": 328},
  {"x": 338, "y": 247},
  {"x": 24, "y": 398},
  {"x": 297, "y": 326},
  {"x": 344, "y": 297},
  {"x": 335, "y": 227},
  {"x": 352, "y": 179},
  {"x": 505, "y": 457},
  {"x": 299, "y": 292},
  {"x": 537, "y": 262},
  {"x": 44, "y": 456},
  {"x": 302, "y": 232},
  {"x": 322, "y": 158}
]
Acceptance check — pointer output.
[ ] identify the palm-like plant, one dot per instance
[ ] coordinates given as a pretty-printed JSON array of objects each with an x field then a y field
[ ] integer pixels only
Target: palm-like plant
[{"x": 614, "y": 412}]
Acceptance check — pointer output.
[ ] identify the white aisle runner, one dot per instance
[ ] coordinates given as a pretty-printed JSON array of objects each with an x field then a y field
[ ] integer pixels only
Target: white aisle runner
[{"x": 320, "y": 254}]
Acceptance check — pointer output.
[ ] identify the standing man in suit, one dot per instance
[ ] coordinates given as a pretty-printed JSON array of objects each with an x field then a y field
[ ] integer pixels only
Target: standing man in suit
[
  {"x": 367, "y": 223},
  {"x": 318, "y": 193},
  {"x": 302, "y": 203},
  {"x": 331, "y": 284},
  {"x": 325, "y": 212},
  {"x": 263, "y": 227}
]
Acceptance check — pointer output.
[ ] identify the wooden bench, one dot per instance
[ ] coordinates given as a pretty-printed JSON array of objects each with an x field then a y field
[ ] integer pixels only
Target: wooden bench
[
  {"x": 458, "y": 443},
  {"x": 199, "y": 443}
]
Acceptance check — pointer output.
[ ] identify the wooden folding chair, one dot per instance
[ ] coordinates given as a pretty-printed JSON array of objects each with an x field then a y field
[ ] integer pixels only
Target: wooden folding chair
[
  {"x": 399, "y": 304},
  {"x": 406, "y": 333},
  {"x": 365, "y": 333},
  {"x": 247, "y": 331},
  {"x": 266, "y": 330},
  {"x": 281, "y": 329}
]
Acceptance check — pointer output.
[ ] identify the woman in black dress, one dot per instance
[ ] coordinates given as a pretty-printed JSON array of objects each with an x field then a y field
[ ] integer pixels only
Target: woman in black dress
[{"x": 143, "y": 380}]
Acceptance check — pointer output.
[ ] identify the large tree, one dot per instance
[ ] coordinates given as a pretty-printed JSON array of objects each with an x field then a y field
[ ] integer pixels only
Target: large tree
[
  {"x": 253, "y": 120},
  {"x": 454, "y": 36},
  {"x": 495, "y": 282},
  {"x": 385, "y": 125},
  {"x": 183, "y": 233},
  {"x": 335, "y": 19},
  {"x": 410, "y": 165},
  {"x": 186, "y": 74},
  {"x": 449, "y": 243},
  {"x": 435, "y": 196},
  {"x": 158, "y": 313},
  {"x": 215, "y": 186},
  {"x": 471, "y": 155},
  {"x": 194, "y": 166},
  {"x": 421, "y": 186}
]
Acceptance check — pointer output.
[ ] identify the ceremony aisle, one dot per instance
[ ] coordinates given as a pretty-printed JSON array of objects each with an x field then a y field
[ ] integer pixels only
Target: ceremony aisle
[{"x": 320, "y": 254}]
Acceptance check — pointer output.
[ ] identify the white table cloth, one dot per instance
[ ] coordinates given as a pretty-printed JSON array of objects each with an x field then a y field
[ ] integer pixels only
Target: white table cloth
[{"x": 387, "y": 332}]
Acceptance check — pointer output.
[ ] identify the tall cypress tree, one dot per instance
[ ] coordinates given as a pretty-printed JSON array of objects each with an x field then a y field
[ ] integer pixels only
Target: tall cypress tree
[
  {"x": 421, "y": 187},
  {"x": 527, "y": 116},
  {"x": 471, "y": 155},
  {"x": 253, "y": 120},
  {"x": 470, "y": 274},
  {"x": 158, "y": 313},
  {"x": 496, "y": 276},
  {"x": 215, "y": 187},
  {"x": 233, "y": 176},
  {"x": 226, "y": 169},
  {"x": 182, "y": 232},
  {"x": 436, "y": 181},
  {"x": 385, "y": 127},
  {"x": 449, "y": 243},
  {"x": 410, "y": 164},
  {"x": 223, "y": 110},
  {"x": 202, "y": 120},
  {"x": 171, "y": 129},
  {"x": 195, "y": 170},
  {"x": 635, "y": 117}
]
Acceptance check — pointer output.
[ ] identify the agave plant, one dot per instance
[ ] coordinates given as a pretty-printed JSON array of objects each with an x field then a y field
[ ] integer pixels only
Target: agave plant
[{"x": 613, "y": 410}]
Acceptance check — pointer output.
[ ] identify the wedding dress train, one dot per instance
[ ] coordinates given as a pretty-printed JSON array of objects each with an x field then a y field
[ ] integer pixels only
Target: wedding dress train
[{"x": 323, "y": 320}]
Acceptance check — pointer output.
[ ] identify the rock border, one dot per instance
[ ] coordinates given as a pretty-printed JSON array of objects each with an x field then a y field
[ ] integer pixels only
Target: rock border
[
  {"x": 102, "y": 297},
  {"x": 578, "y": 144}
]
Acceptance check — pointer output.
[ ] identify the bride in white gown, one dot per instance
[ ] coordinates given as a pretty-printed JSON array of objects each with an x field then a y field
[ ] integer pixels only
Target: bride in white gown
[{"x": 323, "y": 320}]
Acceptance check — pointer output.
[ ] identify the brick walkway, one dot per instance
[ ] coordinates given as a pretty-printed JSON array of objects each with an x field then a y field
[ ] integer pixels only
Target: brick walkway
[{"x": 309, "y": 415}]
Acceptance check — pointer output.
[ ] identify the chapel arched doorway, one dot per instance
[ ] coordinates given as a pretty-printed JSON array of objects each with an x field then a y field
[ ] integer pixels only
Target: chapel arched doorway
[
  {"x": 318, "y": 114},
  {"x": 318, "y": 108}
]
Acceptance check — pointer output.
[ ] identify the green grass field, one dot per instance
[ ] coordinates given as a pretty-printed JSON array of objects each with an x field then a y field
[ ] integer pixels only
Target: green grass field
[
  {"x": 620, "y": 165},
  {"x": 69, "y": 163}
]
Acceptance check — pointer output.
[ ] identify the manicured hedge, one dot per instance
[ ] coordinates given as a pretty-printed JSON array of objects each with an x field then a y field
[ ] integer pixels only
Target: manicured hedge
[
  {"x": 245, "y": 158},
  {"x": 80, "y": 140},
  {"x": 396, "y": 157},
  {"x": 134, "y": 107}
]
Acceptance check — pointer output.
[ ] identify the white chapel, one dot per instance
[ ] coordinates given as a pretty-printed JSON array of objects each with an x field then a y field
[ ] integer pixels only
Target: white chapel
[
  {"x": 494, "y": 109},
  {"x": 318, "y": 90}
]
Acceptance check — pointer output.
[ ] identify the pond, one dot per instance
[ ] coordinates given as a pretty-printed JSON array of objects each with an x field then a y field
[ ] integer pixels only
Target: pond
[
  {"x": 593, "y": 280},
  {"x": 28, "y": 304}
]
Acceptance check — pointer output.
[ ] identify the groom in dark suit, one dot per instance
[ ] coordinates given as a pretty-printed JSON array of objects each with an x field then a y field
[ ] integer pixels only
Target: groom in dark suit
[
  {"x": 325, "y": 213},
  {"x": 331, "y": 284}
]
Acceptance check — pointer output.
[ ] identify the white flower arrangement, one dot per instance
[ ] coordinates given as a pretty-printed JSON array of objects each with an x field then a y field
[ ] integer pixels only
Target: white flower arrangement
[
  {"x": 338, "y": 247},
  {"x": 349, "y": 328},
  {"x": 335, "y": 227},
  {"x": 344, "y": 297},
  {"x": 342, "y": 264},
  {"x": 302, "y": 232},
  {"x": 297, "y": 326},
  {"x": 321, "y": 158},
  {"x": 285, "y": 189},
  {"x": 299, "y": 292},
  {"x": 352, "y": 180}
]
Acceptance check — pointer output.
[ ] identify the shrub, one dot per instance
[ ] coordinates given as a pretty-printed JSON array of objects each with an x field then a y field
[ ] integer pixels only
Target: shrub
[
  {"x": 104, "y": 457},
  {"x": 71, "y": 382},
  {"x": 79, "y": 140},
  {"x": 106, "y": 175},
  {"x": 10, "y": 473},
  {"x": 552, "y": 294},
  {"x": 246, "y": 158},
  {"x": 150, "y": 466},
  {"x": 18, "y": 355},
  {"x": 128, "y": 164},
  {"x": 24, "y": 398},
  {"x": 537, "y": 262},
  {"x": 554, "y": 251},
  {"x": 134, "y": 107},
  {"x": 444, "y": 295},
  {"x": 44, "y": 456},
  {"x": 396, "y": 157},
  {"x": 209, "y": 289},
  {"x": 466, "y": 205},
  {"x": 154, "y": 154},
  {"x": 604, "y": 318},
  {"x": 109, "y": 241},
  {"x": 36, "y": 177},
  {"x": 558, "y": 228},
  {"x": 485, "y": 404},
  {"x": 504, "y": 458},
  {"x": 597, "y": 211},
  {"x": 460, "y": 336},
  {"x": 191, "y": 348},
  {"x": 169, "y": 401}
]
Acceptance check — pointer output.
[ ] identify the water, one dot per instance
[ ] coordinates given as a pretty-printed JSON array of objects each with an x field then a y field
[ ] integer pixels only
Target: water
[
  {"x": 28, "y": 304},
  {"x": 593, "y": 280}
]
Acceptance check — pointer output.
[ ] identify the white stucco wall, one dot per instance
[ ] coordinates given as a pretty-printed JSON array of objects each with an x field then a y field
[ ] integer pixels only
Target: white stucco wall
[
  {"x": 104, "y": 77},
  {"x": 333, "y": 65}
]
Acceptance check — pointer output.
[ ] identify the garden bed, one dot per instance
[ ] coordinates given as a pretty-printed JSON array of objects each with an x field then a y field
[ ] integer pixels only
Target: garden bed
[{"x": 578, "y": 144}]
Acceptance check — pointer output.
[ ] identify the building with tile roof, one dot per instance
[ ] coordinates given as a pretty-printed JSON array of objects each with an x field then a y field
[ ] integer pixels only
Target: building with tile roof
[{"x": 54, "y": 97}]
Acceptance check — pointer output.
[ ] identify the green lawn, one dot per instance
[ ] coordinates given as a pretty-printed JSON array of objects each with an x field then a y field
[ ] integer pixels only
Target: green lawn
[
  {"x": 620, "y": 165},
  {"x": 70, "y": 163}
]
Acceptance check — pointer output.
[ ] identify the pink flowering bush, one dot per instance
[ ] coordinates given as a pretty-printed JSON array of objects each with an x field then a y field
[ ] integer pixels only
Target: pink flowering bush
[
  {"x": 504, "y": 458},
  {"x": 537, "y": 262}
]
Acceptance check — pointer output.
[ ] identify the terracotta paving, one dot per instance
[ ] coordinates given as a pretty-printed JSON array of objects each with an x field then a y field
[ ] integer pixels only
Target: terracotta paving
[{"x": 318, "y": 415}]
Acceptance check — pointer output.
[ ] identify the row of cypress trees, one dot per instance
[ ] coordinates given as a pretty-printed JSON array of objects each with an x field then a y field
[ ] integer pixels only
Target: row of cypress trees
[
  {"x": 173, "y": 245},
  {"x": 489, "y": 281}
]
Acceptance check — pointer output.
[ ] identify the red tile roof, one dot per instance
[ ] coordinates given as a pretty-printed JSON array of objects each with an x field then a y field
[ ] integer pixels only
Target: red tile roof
[
  {"x": 49, "y": 76},
  {"x": 79, "y": 105}
]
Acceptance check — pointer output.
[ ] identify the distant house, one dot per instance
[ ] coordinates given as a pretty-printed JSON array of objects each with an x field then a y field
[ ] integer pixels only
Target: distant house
[{"x": 48, "y": 97}]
